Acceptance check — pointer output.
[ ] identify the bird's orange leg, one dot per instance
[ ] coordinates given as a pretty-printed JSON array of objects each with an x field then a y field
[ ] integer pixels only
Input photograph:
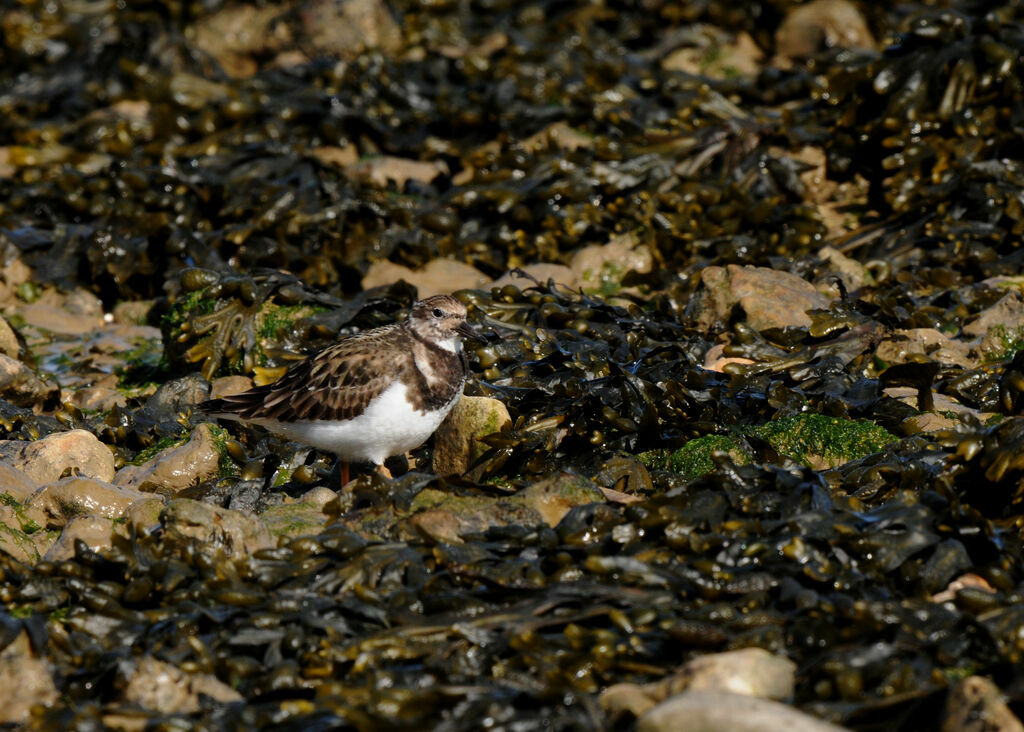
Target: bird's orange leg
[{"x": 382, "y": 469}]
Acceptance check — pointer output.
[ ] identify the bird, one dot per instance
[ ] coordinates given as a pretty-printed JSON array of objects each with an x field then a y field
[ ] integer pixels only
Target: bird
[{"x": 371, "y": 395}]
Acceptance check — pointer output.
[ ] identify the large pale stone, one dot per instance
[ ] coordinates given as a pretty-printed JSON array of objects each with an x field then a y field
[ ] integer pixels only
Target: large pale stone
[
  {"x": 16, "y": 482},
  {"x": 767, "y": 298},
  {"x": 46, "y": 460},
  {"x": 714, "y": 711},
  {"x": 439, "y": 276}
]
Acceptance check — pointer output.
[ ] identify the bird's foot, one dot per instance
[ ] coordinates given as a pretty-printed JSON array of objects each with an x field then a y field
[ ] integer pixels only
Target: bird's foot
[{"x": 383, "y": 470}]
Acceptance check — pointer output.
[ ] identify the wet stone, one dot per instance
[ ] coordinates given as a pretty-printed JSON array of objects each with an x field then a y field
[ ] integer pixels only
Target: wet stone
[
  {"x": 214, "y": 528},
  {"x": 711, "y": 711},
  {"x": 25, "y": 679},
  {"x": 96, "y": 531},
  {"x": 766, "y": 297},
  {"x": 176, "y": 468},
  {"x": 457, "y": 441},
  {"x": 48, "y": 459},
  {"x": 162, "y": 687}
]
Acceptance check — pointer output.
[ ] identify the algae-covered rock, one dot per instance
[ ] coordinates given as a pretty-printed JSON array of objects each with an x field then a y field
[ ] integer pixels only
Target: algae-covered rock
[
  {"x": 176, "y": 468},
  {"x": 457, "y": 441},
  {"x": 212, "y": 527},
  {"x": 822, "y": 442},
  {"x": 53, "y": 505},
  {"x": 694, "y": 458},
  {"x": 295, "y": 519}
]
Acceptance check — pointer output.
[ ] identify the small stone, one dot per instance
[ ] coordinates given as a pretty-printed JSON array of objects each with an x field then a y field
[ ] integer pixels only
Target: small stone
[
  {"x": 16, "y": 483},
  {"x": 439, "y": 276},
  {"x": 438, "y": 525},
  {"x": 620, "y": 698},
  {"x": 542, "y": 273},
  {"x": 750, "y": 671},
  {"x": 214, "y": 527},
  {"x": 819, "y": 25},
  {"x": 319, "y": 496},
  {"x": 26, "y": 681},
  {"x": 9, "y": 345},
  {"x": 175, "y": 468},
  {"x": 96, "y": 531},
  {"x": 97, "y": 399},
  {"x": 145, "y": 514},
  {"x": 159, "y": 686},
  {"x": 976, "y": 704},
  {"x": 61, "y": 320},
  {"x": 132, "y": 312},
  {"x": 457, "y": 441},
  {"x": 17, "y": 542},
  {"x": 53, "y": 505},
  {"x": 905, "y": 345},
  {"x": 853, "y": 274},
  {"x": 46, "y": 460},
  {"x": 383, "y": 169},
  {"x": 714, "y": 711},
  {"x": 295, "y": 519},
  {"x": 600, "y": 268},
  {"x": 767, "y": 298},
  {"x": 22, "y": 387},
  {"x": 229, "y": 386},
  {"x": 554, "y": 496}
]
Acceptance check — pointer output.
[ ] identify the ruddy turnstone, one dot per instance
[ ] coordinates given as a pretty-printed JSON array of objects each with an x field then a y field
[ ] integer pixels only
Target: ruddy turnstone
[{"x": 371, "y": 395}]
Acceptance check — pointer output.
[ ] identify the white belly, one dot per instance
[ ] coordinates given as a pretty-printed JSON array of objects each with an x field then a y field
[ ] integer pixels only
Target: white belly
[{"x": 389, "y": 426}]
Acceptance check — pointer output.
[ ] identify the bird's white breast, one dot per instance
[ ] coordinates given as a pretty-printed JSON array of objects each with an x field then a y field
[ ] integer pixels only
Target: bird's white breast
[{"x": 389, "y": 426}]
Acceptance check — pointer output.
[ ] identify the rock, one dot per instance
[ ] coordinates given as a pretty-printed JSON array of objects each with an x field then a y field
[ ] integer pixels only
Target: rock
[
  {"x": 145, "y": 514},
  {"x": 63, "y": 320},
  {"x": 159, "y": 686},
  {"x": 295, "y": 519},
  {"x": 25, "y": 679},
  {"x": 768, "y": 298},
  {"x": 718, "y": 57},
  {"x": 235, "y": 34},
  {"x": 21, "y": 386},
  {"x": 943, "y": 403},
  {"x": 19, "y": 543},
  {"x": 715, "y": 360},
  {"x": 319, "y": 496},
  {"x": 821, "y": 24},
  {"x": 236, "y": 533},
  {"x": 53, "y": 505},
  {"x": 541, "y": 272},
  {"x": 560, "y": 135},
  {"x": 853, "y": 274},
  {"x": 16, "y": 483},
  {"x": 927, "y": 422},
  {"x": 97, "y": 399},
  {"x": 600, "y": 268},
  {"x": 713, "y": 711},
  {"x": 132, "y": 312},
  {"x": 9, "y": 345},
  {"x": 975, "y": 704},
  {"x": 339, "y": 157},
  {"x": 552, "y": 497},
  {"x": 620, "y": 698},
  {"x": 456, "y": 442},
  {"x": 439, "y": 526},
  {"x": 383, "y": 169},
  {"x": 346, "y": 28},
  {"x": 905, "y": 345},
  {"x": 96, "y": 531},
  {"x": 229, "y": 386},
  {"x": 965, "y": 581},
  {"x": 175, "y": 468},
  {"x": 749, "y": 671},
  {"x": 439, "y": 276},
  {"x": 999, "y": 328},
  {"x": 46, "y": 460}
]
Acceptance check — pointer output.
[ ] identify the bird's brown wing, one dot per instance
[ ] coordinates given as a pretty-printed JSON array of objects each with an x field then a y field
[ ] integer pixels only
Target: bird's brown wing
[{"x": 336, "y": 383}]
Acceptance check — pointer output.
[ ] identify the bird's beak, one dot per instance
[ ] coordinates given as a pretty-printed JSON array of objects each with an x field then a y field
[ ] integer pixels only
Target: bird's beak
[{"x": 467, "y": 330}]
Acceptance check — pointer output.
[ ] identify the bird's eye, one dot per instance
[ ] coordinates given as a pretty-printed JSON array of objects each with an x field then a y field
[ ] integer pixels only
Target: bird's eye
[{"x": 437, "y": 313}]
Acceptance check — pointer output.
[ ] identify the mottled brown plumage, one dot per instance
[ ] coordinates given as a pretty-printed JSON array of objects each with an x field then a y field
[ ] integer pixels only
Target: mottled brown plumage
[{"x": 317, "y": 399}]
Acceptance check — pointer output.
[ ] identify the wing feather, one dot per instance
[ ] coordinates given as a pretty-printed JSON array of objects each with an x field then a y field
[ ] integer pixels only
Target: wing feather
[{"x": 336, "y": 383}]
